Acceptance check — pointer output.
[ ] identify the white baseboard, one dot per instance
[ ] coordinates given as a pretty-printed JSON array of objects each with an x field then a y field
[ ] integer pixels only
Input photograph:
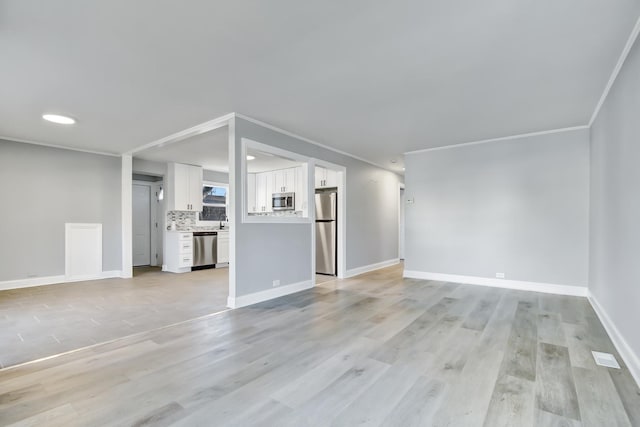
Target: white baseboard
[
  {"x": 630, "y": 358},
  {"x": 371, "y": 267},
  {"x": 549, "y": 288},
  {"x": 256, "y": 297},
  {"x": 53, "y": 280}
]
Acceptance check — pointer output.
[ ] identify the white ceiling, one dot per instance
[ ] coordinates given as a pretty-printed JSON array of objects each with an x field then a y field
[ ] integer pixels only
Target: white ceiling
[
  {"x": 211, "y": 151},
  {"x": 373, "y": 78}
]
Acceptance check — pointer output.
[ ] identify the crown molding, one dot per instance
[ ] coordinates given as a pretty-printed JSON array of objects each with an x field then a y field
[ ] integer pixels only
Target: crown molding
[
  {"x": 502, "y": 138},
  {"x": 61, "y": 147},
  {"x": 614, "y": 74}
]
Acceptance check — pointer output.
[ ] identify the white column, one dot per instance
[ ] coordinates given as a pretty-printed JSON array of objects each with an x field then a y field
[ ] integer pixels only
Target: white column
[{"x": 127, "y": 221}]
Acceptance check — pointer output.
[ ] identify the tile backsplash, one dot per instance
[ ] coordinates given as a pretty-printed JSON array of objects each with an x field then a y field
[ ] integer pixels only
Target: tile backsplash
[{"x": 184, "y": 220}]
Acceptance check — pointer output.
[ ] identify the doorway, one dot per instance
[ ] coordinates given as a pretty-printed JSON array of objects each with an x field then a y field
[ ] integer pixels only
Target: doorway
[
  {"x": 401, "y": 207},
  {"x": 141, "y": 203}
]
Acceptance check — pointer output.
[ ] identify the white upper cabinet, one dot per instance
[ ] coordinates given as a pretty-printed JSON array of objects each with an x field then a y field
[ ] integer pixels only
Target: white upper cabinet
[
  {"x": 261, "y": 187},
  {"x": 251, "y": 193},
  {"x": 186, "y": 187},
  {"x": 264, "y": 191},
  {"x": 300, "y": 189},
  {"x": 325, "y": 178},
  {"x": 284, "y": 180},
  {"x": 195, "y": 188}
]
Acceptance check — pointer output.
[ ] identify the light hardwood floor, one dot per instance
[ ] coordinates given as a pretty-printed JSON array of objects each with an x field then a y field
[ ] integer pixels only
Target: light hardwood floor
[
  {"x": 372, "y": 350},
  {"x": 45, "y": 320}
]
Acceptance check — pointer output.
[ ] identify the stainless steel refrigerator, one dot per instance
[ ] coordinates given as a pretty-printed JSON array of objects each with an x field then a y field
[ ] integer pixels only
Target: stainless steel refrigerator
[{"x": 326, "y": 232}]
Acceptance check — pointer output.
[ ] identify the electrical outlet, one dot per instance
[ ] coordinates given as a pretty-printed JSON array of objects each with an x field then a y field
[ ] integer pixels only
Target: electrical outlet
[
  {"x": 500, "y": 275},
  {"x": 276, "y": 283}
]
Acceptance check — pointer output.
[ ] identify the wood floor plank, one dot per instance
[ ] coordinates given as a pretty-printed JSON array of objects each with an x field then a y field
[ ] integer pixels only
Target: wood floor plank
[
  {"x": 512, "y": 403},
  {"x": 418, "y": 405},
  {"x": 482, "y": 312},
  {"x": 600, "y": 404},
  {"x": 521, "y": 353},
  {"x": 555, "y": 391},
  {"x": 547, "y": 419},
  {"x": 629, "y": 393},
  {"x": 373, "y": 406}
]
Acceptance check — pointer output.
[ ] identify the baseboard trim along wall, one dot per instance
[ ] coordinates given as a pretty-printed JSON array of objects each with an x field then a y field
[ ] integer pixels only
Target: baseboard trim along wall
[
  {"x": 54, "y": 280},
  {"x": 256, "y": 297},
  {"x": 630, "y": 358},
  {"x": 547, "y": 288},
  {"x": 371, "y": 267}
]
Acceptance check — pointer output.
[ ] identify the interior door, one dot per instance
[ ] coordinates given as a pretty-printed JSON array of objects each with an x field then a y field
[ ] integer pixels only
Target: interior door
[{"x": 141, "y": 225}]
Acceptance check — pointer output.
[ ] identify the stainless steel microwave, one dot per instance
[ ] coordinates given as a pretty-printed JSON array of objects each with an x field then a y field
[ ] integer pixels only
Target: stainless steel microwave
[{"x": 283, "y": 201}]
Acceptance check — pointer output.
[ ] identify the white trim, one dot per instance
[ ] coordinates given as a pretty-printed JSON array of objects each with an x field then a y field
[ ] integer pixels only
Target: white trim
[
  {"x": 61, "y": 147},
  {"x": 232, "y": 210},
  {"x": 548, "y": 288},
  {"x": 626, "y": 352},
  {"x": 302, "y": 138},
  {"x": 614, "y": 74},
  {"x": 126, "y": 201},
  {"x": 201, "y": 128},
  {"x": 256, "y": 297},
  {"x": 502, "y": 138},
  {"x": 371, "y": 267},
  {"x": 53, "y": 280}
]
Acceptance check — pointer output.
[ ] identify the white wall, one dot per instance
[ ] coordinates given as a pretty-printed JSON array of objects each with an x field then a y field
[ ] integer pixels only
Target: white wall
[
  {"x": 614, "y": 268},
  {"x": 518, "y": 207},
  {"x": 265, "y": 252},
  {"x": 42, "y": 188}
]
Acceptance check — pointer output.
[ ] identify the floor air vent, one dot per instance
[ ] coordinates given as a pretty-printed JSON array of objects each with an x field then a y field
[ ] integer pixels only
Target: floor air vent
[{"x": 605, "y": 359}]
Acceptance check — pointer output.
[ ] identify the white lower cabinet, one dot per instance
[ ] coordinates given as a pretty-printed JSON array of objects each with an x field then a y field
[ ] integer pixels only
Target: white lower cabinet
[
  {"x": 223, "y": 247},
  {"x": 178, "y": 255}
]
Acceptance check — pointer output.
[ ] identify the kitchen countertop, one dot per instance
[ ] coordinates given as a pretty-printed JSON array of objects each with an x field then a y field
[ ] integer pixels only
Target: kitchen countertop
[{"x": 201, "y": 230}]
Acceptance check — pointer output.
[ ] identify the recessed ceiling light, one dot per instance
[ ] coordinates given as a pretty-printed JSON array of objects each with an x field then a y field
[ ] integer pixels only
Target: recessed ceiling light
[
  {"x": 56, "y": 118},
  {"x": 403, "y": 169},
  {"x": 249, "y": 157}
]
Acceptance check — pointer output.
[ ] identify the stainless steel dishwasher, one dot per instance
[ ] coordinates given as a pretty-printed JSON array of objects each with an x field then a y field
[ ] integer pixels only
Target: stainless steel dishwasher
[{"x": 205, "y": 249}]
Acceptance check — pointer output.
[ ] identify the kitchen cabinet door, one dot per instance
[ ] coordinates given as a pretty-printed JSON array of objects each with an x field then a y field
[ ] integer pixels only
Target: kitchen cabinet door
[
  {"x": 289, "y": 180},
  {"x": 264, "y": 191},
  {"x": 278, "y": 181},
  {"x": 268, "y": 176},
  {"x": 318, "y": 176},
  {"x": 223, "y": 248},
  {"x": 331, "y": 178},
  {"x": 251, "y": 193},
  {"x": 184, "y": 187},
  {"x": 180, "y": 191},
  {"x": 300, "y": 189},
  {"x": 195, "y": 188}
]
